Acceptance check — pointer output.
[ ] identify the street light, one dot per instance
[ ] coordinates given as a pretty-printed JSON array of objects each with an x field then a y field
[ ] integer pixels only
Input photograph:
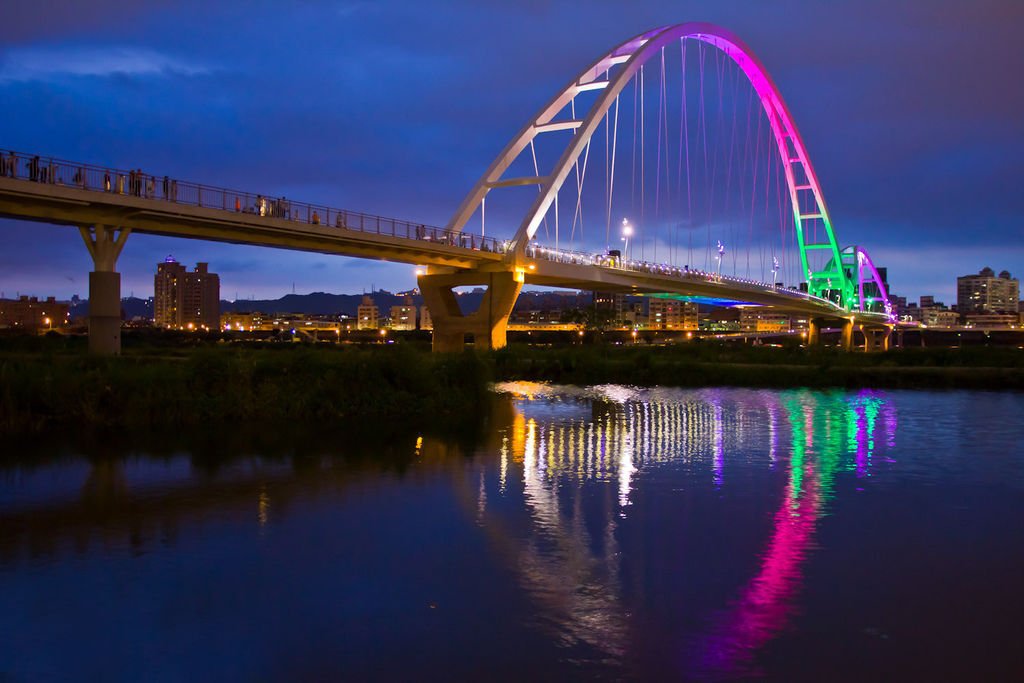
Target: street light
[{"x": 627, "y": 232}]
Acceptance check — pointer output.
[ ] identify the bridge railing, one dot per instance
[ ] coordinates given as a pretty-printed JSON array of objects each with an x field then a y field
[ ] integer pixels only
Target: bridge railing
[
  {"x": 534, "y": 250},
  {"x": 136, "y": 183}
]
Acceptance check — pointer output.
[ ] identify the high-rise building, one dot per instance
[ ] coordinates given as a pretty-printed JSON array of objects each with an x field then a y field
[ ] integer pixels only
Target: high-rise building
[
  {"x": 403, "y": 317},
  {"x": 426, "y": 323},
  {"x": 610, "y": 301},
  {"x": 987, "y": 293},
  {"x": 184, "y": 299},
  {"x": 671, "y": 314},
  {"x": 369, "y": 315}
]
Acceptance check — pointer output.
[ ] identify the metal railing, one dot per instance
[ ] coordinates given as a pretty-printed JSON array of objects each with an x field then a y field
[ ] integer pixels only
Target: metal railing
[
  {"x": 663, "y": 270},
  {"x": 137, "y": 183}
]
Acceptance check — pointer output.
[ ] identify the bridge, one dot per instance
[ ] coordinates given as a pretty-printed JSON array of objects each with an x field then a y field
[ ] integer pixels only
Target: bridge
[{"x": 832, "y": 286}]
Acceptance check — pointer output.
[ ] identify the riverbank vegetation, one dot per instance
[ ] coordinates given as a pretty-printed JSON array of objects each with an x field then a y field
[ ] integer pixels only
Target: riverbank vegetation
[
  {"x": 53, "y": 382},
  {"x": 218, "y": 385}
]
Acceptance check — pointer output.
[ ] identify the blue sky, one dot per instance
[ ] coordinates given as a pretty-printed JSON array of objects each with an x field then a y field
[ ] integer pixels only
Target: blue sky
[{"x": 912, "y": 113}]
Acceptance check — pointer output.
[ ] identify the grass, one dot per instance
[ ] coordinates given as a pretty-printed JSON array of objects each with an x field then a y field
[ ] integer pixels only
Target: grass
[{"x": 226, "y": 385}]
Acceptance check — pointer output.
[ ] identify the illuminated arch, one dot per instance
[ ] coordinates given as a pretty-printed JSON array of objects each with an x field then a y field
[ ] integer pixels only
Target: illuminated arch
[
  {"x": 861, "y": 270},
  {"x": 804, "y": 188}
]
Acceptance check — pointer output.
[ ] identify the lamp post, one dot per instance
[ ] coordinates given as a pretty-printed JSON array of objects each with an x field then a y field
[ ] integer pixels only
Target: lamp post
[{"x": 627, "y": 232}]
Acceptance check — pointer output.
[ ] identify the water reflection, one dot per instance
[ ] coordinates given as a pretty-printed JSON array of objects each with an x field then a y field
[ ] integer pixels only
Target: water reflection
[
  {"x": 608, "y": 530},
  {"x": 630, "y": 431}
]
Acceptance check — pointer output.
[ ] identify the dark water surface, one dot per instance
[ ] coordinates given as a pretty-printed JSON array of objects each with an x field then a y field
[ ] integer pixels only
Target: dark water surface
[{"x": 610, "y": 533}]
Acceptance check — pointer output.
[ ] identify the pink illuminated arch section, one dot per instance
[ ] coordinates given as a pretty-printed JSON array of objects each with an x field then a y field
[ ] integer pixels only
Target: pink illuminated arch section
[
  {"x": 867, "y": 272},
  {"x": 610, "y": 74}
]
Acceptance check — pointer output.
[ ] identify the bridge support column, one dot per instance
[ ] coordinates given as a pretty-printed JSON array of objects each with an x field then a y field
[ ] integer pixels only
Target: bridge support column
[
  {"x": 104, "y": 243},
  {"x": 876, "y": 338},
  {"x": 488, "y": 324},
  {"x": 847, "y": 337},
  {"x": 814, "y": 332}
]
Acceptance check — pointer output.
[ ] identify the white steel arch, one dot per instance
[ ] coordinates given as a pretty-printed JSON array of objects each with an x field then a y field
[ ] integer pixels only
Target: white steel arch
[{"x": 804, "y": 188}]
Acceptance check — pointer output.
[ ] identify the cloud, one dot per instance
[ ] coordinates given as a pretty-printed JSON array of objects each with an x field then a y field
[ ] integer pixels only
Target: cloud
[
  {"x": 933, "y": 269},
  {"x": 60, "y": 63}
]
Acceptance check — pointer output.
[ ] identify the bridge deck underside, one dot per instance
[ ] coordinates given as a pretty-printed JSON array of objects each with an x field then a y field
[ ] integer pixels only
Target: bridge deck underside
[{"x": 70, "y": 206}]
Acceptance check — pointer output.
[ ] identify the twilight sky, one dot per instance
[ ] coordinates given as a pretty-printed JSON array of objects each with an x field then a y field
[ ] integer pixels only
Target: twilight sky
[{"x": 913, "y": 114}]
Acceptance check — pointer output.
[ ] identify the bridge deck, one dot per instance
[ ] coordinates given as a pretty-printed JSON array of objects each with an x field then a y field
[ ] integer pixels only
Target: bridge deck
[{"x": 68, "y": 193}]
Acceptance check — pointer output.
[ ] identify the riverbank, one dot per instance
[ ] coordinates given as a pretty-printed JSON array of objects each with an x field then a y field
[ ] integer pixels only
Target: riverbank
[
  {"x": 707, "y": 364},
  {"x": 49, "y": 384},
  {"x": 218, "y": 385}
]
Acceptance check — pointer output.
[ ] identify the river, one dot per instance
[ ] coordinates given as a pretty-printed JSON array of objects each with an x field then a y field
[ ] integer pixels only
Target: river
[{"x": 601, "y": 533}]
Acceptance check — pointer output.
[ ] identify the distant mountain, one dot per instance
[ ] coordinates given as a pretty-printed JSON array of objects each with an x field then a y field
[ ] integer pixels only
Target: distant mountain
[
  {"x": 316, "y": 303},
  {"x": 323, "y": 303},
  {"x": 131, "y": 307}
]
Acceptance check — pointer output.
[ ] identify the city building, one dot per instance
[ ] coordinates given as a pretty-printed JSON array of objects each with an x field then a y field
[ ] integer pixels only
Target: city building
[
  {"x": 992, "y": 320},
  {"x": 633, "y": 315},
  {"x": 368, "y": 314},
  {"x": 611, "y": 301},
  {"x": 29, "y": 313},
  {"x": 403, "y": 317},
  {"x": 763, "y": 320},
  {"x": 425, "y": 321},
  {"x": 243, "y": 321},
  {"x": 671, "y": 314},
  {"x": 183, "y": 299},
  {"x": 934, "y": 316},
  {"x": 987, "y": 293}
]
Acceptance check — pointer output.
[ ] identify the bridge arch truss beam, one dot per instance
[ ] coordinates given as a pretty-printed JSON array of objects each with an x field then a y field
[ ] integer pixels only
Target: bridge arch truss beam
[
  {"x": 626, "y": 59},
  {"x": 862, "y": 271}
]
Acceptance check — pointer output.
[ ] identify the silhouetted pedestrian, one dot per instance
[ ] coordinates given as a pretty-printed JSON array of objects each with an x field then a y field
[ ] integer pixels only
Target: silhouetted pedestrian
[
  {"x": 167, "y": 186},
  {"x": 106, "y": 181},
  {"x": 33, "y": 169}
]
